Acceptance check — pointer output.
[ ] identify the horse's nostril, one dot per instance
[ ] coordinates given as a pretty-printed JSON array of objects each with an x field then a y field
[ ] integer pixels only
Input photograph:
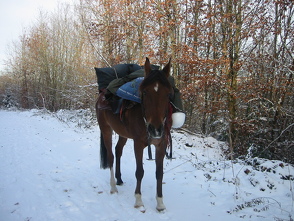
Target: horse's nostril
[{"x": 155, "y": 132}]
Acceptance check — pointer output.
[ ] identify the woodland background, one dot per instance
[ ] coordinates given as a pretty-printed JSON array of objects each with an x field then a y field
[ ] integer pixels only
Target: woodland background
[{"x": 232, "y": 61}]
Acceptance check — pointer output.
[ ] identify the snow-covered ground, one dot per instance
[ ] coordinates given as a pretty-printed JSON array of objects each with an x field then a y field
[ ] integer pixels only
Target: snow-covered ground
[{"x": 50, "y": 170}]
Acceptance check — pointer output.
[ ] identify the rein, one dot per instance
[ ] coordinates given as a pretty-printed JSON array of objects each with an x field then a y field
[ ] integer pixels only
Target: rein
[{"x": 148, "y": 139}]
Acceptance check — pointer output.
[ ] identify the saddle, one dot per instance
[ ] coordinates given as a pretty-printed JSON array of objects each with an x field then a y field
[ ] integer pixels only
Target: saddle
[{"x": 116, "y": 104}]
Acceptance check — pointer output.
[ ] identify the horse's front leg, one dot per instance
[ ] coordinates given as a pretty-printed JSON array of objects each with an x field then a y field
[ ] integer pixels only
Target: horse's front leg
[
  {"x": 139, "y": 174},
  {"x": 160, "y": 153}
]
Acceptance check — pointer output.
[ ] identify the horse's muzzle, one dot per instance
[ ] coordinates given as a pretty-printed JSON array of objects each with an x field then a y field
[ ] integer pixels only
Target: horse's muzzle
[{"x": 155, "y": 133}]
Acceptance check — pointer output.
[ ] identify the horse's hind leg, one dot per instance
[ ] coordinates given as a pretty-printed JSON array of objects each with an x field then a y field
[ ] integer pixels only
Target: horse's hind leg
[
  {"x": 107, "y": 140},
  {"x": 118, "y": 152},
  {"x": 110, "y": 157}
]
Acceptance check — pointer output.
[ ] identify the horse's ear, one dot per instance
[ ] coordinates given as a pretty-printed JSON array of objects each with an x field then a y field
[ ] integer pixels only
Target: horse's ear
[
  {"x": 166, "y": 69},
  {"x": 147, "y": 67}
]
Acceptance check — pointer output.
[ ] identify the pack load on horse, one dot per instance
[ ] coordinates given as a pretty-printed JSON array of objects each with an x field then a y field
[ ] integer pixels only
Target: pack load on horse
[
  {"x": 146, "y": 120},
  {"x": 121, "y": 82}
]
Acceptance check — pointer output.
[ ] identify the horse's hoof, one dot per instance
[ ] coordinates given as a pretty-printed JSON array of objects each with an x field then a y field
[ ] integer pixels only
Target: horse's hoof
[
  {"x": 140, "y": 208},
  {"x": 139, "y": 203},
  {"x": 162, "y": 209},
  {"x": 119, "y": 182},
  {"x": 160, "y": 206},
  {"x": 113, "y": 190}
]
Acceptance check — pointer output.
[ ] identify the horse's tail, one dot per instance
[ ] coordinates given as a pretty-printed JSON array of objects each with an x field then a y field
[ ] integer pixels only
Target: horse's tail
[{"x": 103, "y": 154}]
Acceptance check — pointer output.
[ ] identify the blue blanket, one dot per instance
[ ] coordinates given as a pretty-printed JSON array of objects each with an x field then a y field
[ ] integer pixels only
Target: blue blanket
[{"x": 130, "y": 90}]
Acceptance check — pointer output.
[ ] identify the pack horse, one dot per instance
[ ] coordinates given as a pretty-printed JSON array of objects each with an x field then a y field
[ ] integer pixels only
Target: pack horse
[{"x": 146, "y": 123}]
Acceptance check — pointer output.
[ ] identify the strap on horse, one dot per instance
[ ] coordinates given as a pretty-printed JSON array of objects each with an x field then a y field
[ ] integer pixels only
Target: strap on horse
[
  {"x": 170, "y": 146},
  {"x": 149, "y": 152}
]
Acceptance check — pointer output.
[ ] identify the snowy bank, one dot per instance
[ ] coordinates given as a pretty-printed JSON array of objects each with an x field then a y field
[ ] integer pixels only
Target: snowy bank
[{"x": 50, "y": 170}]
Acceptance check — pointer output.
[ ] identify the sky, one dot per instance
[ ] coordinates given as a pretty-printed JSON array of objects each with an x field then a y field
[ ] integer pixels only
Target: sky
[{"x": 16, "y": 16}]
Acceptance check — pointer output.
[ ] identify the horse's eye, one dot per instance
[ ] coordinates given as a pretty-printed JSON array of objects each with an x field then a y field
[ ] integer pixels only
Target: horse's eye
[{"x": 144, "y": 93}]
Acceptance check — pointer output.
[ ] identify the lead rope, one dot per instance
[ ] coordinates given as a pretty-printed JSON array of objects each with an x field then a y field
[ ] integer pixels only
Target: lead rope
[
  {"x": 148, "y": 142},
  {"x": 168, "y": 125},
  {"x": 148, "y": 139}
]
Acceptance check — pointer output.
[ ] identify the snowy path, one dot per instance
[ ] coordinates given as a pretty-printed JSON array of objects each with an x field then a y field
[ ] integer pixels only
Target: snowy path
[{"x": 50, "y": 170}]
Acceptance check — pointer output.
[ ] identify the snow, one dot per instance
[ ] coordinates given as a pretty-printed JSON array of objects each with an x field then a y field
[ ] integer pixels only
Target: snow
[{"x": 50, "y": 170}]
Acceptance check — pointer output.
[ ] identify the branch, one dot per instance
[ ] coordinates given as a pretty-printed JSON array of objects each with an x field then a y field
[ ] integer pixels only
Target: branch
[
  {"x": 277, "y": 138},
  {"x": 92, "y": 44}
]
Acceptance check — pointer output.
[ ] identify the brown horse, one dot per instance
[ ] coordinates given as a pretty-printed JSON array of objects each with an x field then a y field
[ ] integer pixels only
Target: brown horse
[{"x": 145, "y": 123}]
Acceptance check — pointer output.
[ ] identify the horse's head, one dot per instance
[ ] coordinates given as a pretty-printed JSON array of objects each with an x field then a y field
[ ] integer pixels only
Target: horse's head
[{"x": 155, "y": 92}]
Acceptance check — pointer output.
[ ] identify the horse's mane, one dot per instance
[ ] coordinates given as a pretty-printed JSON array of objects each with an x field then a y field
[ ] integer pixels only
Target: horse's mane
[{"x": 155, "y": 75}]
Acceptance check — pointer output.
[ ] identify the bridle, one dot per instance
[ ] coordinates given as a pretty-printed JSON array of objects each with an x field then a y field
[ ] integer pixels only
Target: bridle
[{"x": 146, "y": 125}]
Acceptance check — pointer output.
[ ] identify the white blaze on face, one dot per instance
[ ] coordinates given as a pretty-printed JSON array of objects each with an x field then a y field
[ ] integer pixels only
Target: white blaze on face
[{"x": 156, "y": 87}]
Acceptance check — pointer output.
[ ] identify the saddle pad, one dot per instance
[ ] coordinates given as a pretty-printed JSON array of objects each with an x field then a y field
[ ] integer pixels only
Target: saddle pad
[{"x": 130, "y": 90}]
